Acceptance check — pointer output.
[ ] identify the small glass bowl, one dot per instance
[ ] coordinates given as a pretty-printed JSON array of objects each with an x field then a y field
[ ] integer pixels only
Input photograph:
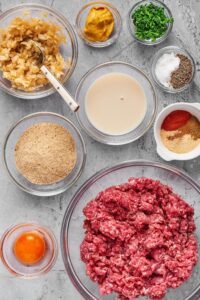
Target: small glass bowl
[
  {"x": 132, "y": 27},
  {"x": 69, "y": 50},
  {"x": 28, "y": 271},
  {"x": 123, "y": 68},
  {"x": 81, "y": 19},
  {"x": 175, "y": 50},
  {"x": 9, "y": 146}
]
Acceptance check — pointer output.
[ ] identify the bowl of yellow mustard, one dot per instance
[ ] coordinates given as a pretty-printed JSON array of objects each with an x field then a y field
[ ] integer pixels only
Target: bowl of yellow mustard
[{"x": 99, "y": 24}]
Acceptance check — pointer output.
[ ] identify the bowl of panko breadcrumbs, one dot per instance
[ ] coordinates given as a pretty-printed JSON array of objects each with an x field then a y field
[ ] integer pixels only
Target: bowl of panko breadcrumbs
[
  {"x": 44, "y": 154},
  {"x": 20, "y": 74}
]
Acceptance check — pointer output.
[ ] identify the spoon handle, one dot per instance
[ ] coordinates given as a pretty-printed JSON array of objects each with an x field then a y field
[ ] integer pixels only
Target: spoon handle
[{"x": 60, "y": 89}]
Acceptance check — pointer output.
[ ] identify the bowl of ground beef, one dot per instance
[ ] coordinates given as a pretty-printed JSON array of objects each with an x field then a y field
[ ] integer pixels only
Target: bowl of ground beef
[{"x": 132, "y": 232}]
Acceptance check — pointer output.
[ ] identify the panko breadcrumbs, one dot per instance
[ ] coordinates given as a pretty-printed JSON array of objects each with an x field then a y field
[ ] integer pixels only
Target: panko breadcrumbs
[
  {"x": 17, "y": 59},
  {"x": 45, "y": 153}
]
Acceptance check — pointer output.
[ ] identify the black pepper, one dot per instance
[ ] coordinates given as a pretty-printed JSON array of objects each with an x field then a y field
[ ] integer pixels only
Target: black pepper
[{"x": 183, "y": 74}]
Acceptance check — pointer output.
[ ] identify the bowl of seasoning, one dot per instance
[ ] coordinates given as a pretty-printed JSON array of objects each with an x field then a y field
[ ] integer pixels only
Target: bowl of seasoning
[
  {"x": 99, "y": 24},
  {"x": 177, "y": 131},
  {"x": 117, "y": 103},
  {"x": 150, "y": 22},
  {"x": 29, "y": 250},
  {"x": 44, "y": 154},
  {"x": 173, "y": 69}
]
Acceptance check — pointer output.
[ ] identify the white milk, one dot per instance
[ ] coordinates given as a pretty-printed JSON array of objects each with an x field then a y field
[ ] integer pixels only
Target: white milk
[{"x": 115, "y": 104}]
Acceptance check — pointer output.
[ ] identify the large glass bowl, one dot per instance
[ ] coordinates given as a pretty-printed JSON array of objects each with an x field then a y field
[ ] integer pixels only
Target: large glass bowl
[
  {"x": 72, "y": 232},
  {"x": 69, "y": 50},
  {"x": 123, "y": 68}
]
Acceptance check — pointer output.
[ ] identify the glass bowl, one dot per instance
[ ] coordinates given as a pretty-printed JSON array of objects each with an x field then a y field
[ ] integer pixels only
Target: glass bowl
[
  {"x": 72, "y": 232},
  {"x": 69, "y": 50},
  {"x": 9, "y": 146},
  {"x": 176, "y": 50},
  {"x": 132, "y": 27},
  {"x": 140, "y": 77},
  {"x": 28, "y": 271},
  {"x": 81, "y": 19}
]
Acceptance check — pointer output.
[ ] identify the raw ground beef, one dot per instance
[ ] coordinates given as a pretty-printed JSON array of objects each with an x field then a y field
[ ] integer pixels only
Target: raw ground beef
[{"x": 139, "y": 240}]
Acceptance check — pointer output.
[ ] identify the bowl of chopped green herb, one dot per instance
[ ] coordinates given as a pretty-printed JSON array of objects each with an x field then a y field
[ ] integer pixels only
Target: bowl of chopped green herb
[{"x": 150, "y": 22}]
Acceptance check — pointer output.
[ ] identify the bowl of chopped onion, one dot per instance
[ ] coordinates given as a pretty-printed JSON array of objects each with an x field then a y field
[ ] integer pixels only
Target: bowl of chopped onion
[{"x": 20, "y": 74}]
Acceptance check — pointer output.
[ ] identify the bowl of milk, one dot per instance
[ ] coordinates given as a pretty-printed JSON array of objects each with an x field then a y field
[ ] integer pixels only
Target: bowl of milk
[{"x": 117, "y": 103}]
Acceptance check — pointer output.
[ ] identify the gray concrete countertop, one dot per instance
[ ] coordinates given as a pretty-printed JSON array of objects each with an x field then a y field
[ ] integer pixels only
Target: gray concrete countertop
[{"x": 16, "y": 206}]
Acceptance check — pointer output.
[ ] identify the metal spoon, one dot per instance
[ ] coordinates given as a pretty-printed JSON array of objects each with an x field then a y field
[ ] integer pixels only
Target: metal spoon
[{"x": 40, "y": 58}]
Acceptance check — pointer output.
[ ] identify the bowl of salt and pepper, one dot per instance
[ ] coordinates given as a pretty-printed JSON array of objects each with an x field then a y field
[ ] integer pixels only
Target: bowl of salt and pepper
[{"x": 173, "y": 69}]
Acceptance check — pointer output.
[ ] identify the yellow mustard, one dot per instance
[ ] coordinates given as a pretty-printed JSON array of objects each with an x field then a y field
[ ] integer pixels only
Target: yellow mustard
[{"x": 99, "y": 24}]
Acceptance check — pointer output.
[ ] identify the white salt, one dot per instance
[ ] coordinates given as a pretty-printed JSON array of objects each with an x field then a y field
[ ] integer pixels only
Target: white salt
[{"x": 165, "y": 66}]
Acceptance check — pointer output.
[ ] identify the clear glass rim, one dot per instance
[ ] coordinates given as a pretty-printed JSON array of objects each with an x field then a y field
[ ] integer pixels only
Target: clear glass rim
[
  {"x": 111, "y": 40},
  {"x": 24, "y": 95},
  {"x": 130, "y": 140},
  {"x": 76, "y": 198},
  {"x": 158, "y": 40},
  {"x": 45, "y": 269},
  {"x": 155, "y": 59},
  {"x": 31, "y": 191}
]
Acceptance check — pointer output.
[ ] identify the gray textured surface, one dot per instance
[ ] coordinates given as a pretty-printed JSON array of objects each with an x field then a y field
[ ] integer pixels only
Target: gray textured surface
[{"x": 17, "y": 206}]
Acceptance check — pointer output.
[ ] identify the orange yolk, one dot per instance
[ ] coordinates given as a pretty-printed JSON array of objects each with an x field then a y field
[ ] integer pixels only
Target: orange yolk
[{"x": 29, "y": 248}]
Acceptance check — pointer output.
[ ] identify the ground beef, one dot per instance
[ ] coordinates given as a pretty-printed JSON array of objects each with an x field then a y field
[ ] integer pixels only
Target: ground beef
[{"x": 139, "y": 240}]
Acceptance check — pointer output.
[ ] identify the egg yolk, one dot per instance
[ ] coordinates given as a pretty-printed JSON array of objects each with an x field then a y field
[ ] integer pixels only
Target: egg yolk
[{"x": 29, "y": 248}]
